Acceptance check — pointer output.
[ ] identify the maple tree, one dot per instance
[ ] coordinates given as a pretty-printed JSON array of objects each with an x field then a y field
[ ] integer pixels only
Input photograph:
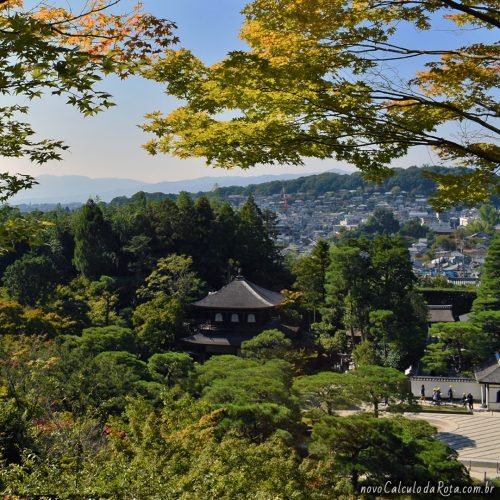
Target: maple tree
[
  {"x": 50, "y": 49},
  {"x": 45, "y": 48},
  {"x": 328, "y": 78}
]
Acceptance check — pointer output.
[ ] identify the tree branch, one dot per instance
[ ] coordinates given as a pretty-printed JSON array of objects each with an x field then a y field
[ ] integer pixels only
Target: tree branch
[{"x": 472, "y": 12}]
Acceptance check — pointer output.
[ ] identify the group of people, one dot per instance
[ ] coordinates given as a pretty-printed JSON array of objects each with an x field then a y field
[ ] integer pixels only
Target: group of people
[{"x": 467, "y": 400}]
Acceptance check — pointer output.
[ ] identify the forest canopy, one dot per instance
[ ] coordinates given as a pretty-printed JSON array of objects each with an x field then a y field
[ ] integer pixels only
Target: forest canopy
[{"x": 100, "y": 396}]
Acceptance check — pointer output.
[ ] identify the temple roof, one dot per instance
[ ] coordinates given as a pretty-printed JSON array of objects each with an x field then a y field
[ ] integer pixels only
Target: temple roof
[
  {"x": 241, "y": 294},
  {"x": 236, "y": 338},
  {"x": 227, "y": 340},
  {"x": 489, "y": 372},
  {"x": 439, "y": 313}
]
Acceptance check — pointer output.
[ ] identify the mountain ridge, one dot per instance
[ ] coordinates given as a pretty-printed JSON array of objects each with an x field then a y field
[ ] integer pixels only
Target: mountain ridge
[{"x": 79, "y": 188}]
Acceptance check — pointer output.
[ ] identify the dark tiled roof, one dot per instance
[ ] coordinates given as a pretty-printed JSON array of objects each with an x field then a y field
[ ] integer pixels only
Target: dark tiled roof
[
  {"x": 235, "y": 338},
  {"x": 439, "y": 313},
  {"x": 241, "y": 294},
  {"x": 489, "y": 372},
  {"x": 228, "y": 340}
]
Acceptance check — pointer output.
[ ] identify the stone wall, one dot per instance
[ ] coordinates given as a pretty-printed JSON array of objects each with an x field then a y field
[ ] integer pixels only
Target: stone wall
[{"x": 459, "y": 386}]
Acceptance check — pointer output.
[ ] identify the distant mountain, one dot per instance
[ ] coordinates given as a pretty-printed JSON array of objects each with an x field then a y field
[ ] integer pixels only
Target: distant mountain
[
  {"x": 412, "y": 180},
  {"x": 77, "y": 189}
]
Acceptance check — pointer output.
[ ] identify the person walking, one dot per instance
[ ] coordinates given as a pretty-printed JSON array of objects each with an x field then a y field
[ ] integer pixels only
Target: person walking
[
  {"x": 422, "y": 393},
  {"x": 450, "y": 395},
  {"x": 470, "y": 401},
  {"x": 464, "y": 400},
  {"x": 438, "y": 396}
]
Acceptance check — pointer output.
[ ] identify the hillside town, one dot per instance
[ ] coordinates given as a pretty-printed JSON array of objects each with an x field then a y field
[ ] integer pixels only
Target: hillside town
[{"x": 303, "y": 219}]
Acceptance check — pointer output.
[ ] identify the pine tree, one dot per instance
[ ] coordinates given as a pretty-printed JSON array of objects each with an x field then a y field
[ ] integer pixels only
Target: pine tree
[
  {"x": 486, "y": 307},
  {"x": 311, "y": 276},
  {"x": 94, "y": 255},
  {"x": 488, "y": 294},
  {"x": 256, "y": 244}
]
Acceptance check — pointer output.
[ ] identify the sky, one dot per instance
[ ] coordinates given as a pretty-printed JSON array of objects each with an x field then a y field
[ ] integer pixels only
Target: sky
[{"x": 109, "y": 144}]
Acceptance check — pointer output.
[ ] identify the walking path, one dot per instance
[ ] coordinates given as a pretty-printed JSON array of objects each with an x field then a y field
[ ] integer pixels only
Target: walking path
[{"x": 475, "y": 437}]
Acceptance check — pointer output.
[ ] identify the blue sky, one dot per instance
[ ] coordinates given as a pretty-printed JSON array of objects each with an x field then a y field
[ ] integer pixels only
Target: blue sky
[{"x": 109, "y": 144}]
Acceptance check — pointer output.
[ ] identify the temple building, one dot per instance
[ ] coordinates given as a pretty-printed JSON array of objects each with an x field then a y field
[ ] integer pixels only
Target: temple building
[
  {"x": 237, "y": 312},
  {"x": 488, "y": 375},
  {"x": 439, "y": 314}
]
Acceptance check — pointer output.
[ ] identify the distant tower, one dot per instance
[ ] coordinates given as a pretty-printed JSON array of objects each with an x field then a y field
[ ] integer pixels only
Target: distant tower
[{"x": 215, "y": 187}]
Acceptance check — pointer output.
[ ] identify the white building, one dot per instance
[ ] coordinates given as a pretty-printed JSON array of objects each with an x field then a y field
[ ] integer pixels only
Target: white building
[{"x": 488, "y": 376}]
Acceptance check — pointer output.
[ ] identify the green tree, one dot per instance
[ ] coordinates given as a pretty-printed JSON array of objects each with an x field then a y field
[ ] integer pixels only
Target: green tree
[
  {"x": 402, "y": 334},
  {"x": 488, "y": 294},
  {"x": 36, "y": 322},
  {"x": 30, "y": 279},
  {"x": 102, "y": 301},
  {"x": 326, "y": 391},
  {"x": 11, "y": 317},
  {"x": 348, "y": 286},
  {"x": 368, "y": 276},
  {"x": 226, "y": 233},
  {"x": 382, "y": 221},
  {"x": 170, "y": 367},
  {"x": 376, "y": 384},
  {"x": 414, "y": 229},
  {"x": 94, "y": 243},
  {"x": 16, "y": 229},
  {"x": 267, "y": 345},
  {"x": 157, "y": 323},
  {"x": 365, "y": 353},
  {"x": 387, "y": 338},
  {"x": 117, "y": 376},
  {"x": 311, "y": 276},
  {"x": 95, "y": 340},
  {"x": 70, "y": 303},
  {"x": 255, "y": 243},
  {"x": 256, "y": 395},
  {"x": 489, "y": 324},
  {"x": 206, "y": 258},
  {"x": 59, "y": 459},
  {"x": 51, "y": 49},
  {"x": 372, "y": 451},
  {"x": 489, "y": 217},
  {"x": 139, "y": 248},
  {"x": 250, "y": 381},
  {"x": 443, "y": 242},
  {"x": 314, "y": 83},
  {"x": 329, "y": 341},
  {"x": 173, "y": 276},
  {"x": 459, "y": 347},
  {"x": 360, "y": 445}
]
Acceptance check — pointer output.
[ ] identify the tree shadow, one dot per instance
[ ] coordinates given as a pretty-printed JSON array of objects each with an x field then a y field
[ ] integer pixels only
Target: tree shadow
[{"x": 456, "y": 441}]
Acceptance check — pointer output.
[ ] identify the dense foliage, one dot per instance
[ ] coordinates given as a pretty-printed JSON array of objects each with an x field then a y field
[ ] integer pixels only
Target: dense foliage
[
  {"x": 99, "y": 398},
  {"x": 365, "y": 291},
  {"x": 461, "y": 346}
]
